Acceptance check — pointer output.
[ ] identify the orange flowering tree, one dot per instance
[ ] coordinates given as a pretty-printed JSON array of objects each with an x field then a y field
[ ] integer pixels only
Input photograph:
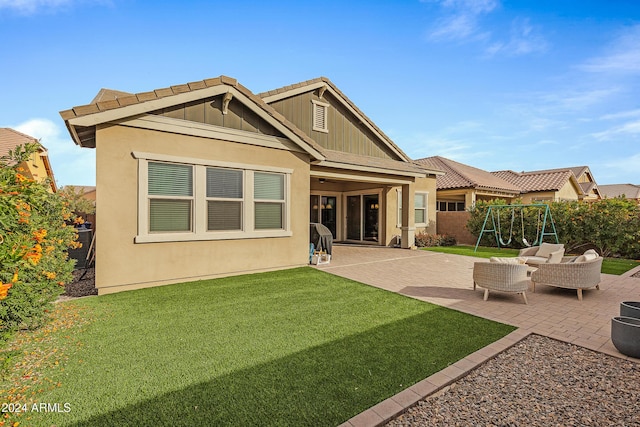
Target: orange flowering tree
[{"x": 34, "y": 239}]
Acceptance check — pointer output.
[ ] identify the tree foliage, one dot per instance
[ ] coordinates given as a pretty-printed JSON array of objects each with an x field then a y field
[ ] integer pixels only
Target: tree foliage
[
  {"x": 34, "y": 240},
  {"x": 77, "y": 203}
]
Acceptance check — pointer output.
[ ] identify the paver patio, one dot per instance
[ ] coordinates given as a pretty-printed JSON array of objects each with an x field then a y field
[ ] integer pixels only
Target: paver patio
[{"x": 446, "y": 280}]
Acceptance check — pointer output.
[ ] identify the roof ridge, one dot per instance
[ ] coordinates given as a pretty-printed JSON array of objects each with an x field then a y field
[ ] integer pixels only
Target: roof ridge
[{"x": 21, "y": 134}]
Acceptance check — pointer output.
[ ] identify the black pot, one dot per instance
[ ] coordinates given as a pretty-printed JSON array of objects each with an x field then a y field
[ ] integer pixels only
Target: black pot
[
  {"x": 630, "y": 309},
  {"x": 625, "y": 335}
]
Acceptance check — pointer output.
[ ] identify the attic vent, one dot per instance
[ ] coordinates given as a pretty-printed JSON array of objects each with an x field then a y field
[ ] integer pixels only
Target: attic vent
[{"x": 320, "y": 111}]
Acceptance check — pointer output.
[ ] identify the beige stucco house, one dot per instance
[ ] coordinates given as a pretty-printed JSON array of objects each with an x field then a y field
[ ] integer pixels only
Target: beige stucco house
[
  {"x": 38, "y": 166},
  {"x": 207, "y": 179}
]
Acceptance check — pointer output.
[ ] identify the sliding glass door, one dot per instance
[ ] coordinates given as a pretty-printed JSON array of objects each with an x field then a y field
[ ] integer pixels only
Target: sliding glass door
[{"x": 363, "y": 217}]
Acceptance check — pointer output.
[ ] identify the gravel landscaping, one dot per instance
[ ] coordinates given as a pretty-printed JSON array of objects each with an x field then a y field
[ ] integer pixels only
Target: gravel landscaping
[
  {"x": 83, "y": 284},
  {"x": 538, "y": 382}
]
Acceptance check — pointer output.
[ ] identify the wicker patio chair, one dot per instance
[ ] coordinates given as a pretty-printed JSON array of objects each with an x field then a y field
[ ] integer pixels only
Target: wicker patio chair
[
  {"x": 501, "y": 277},
  {"x": 569, "y": 275}
]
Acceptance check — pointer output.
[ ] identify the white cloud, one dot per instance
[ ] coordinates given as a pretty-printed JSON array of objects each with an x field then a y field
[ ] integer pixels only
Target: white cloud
[
  {"x": 623, "y": 54},
  {"x": 462, "y": 22},
  {"x": 621, "y": 115},
  {"x": 72, "y": 165},
  {"x": 630, "y": 128},
  {"x": 30, "y": 7},
  {"x": 524, "y": 39}
]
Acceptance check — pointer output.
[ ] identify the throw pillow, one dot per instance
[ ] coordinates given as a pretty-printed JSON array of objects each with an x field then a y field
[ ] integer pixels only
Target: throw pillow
[{"x": 547, "y": 248}]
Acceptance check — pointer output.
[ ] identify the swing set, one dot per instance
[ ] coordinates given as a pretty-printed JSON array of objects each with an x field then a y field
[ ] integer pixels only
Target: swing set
[{"x": 545, "y": 220}]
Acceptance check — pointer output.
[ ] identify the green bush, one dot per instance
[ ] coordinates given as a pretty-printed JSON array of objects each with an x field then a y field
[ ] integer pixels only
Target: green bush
[
  {"x": 611, "y": 226},
  {"x": 34, "y": 240},
  {"x": 424, "y": 240}
]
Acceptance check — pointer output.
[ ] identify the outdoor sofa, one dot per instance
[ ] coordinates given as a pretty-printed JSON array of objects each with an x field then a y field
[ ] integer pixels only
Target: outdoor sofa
[{"x": 581, "y": 272}]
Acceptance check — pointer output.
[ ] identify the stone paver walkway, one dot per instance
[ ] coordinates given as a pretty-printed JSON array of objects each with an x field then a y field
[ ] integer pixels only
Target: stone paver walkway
[{"x": 446, "y": 280}]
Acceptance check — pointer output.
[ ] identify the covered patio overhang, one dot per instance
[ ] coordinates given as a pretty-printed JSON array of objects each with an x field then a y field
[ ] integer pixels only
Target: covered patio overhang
[{"x": 376, "y": 185}]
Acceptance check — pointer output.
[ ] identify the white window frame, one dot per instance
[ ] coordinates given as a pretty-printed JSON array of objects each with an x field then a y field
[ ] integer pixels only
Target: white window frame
[
  {"x": 324, "y": 107},
  {"x": 424, "y": 194},
  {"x": 199, "y": 211},
  {"x": 425, "y": 208}
]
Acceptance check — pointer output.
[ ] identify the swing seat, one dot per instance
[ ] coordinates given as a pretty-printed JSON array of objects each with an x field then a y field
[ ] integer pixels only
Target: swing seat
[{"x": 546, "y": 253}]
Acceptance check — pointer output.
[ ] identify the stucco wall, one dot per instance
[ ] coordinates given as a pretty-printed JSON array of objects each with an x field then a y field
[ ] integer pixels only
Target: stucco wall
[
  {"x": 422, "y": 185},
  {"x": 122, "y": 264}
]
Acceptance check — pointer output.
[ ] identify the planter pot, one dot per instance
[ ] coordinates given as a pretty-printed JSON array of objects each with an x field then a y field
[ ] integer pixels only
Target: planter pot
[
  {"x": 625, "y": 335},
  {"x": 630, "y": 309}
]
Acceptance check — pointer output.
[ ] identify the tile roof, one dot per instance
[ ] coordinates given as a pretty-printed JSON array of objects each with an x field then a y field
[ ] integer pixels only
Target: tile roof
[
  {"x": 630, "y": 191},
  {"x": 142, "y": 97},
  {"x": 285, "y": 89},
  {"x": 10, "y": 139},
  {"x": 458, "y": 175},
  {"x": 547, "y": 180},
  {"x": 108, "y": 99},
  {"x": 372, "y": 162}
]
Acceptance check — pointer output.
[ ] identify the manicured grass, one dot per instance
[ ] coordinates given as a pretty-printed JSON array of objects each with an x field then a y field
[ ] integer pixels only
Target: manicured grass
[
  {"x": 609, "y": 265},
  {"x": 483, "y": 251},
  {"x": 296, "y": 347}
]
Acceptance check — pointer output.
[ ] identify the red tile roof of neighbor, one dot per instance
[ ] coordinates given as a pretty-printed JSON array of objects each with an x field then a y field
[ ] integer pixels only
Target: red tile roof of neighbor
[
  {"x": 458, "y": 175},
  {"x": 11, "y": 138},
  {"x": 630, "y": 191},
  {"x": 550, "y": 180}
]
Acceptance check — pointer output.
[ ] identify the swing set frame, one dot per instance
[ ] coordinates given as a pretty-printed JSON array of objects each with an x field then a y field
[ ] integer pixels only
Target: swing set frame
[{"x": 494, "y": 210}]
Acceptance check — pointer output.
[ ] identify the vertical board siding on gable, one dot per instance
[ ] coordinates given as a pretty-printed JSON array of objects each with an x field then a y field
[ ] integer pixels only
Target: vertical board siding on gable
[
  {"x": 209, "y": 111},
  {"x": 345, "y": 132}
]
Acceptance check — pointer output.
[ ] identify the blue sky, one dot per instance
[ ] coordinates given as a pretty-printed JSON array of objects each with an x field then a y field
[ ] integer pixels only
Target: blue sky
[{"x": 521, "y": 85}]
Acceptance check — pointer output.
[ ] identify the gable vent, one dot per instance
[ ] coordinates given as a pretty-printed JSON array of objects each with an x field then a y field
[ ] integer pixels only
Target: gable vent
[{"x": 320, "y": 116}]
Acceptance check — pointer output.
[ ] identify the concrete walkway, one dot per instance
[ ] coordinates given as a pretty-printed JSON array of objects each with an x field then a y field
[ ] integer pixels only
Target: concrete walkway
[{"x": 446, "y": 280}]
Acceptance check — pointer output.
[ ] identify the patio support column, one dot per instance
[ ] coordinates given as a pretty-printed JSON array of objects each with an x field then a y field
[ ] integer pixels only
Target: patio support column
[
  {"x": 408, "y": 216},
  {"x": 470, "y": 199}
]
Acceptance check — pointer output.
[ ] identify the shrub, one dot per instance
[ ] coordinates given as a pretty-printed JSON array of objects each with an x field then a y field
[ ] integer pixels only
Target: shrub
[
  {"x": 426, "y": 240},
  {"x": 34, "y": 239},
  {"x": 612, "y": 226}
]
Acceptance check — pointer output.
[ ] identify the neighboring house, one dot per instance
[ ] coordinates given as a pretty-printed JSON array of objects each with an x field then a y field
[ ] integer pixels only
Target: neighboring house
[
  {"x": 462, "y": 185},
  {"x": 628, "y": 191},
  {"x": 207, "y": 179},
  {"x": 459, "y": 189},
  {"x": 588, "y": 184},
  {"x": 544, "y": 185},
  {"x": 38, "y": 166}
]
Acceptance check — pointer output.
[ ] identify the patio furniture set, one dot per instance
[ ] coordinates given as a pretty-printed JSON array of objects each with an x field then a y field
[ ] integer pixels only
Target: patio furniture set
[{"x": 539, "y": 265}]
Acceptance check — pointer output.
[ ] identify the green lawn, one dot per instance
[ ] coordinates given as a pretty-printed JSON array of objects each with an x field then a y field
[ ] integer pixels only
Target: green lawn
[
  {"x": 296, "y": 347},
  {"x": 609, "y": 265}
]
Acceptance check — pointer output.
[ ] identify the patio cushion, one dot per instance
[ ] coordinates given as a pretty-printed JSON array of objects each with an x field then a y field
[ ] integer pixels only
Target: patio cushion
[
  {"x": 587, "y": 256},
  {"x": 547, "y": 248},
  {"x": 507, "y": 260}
]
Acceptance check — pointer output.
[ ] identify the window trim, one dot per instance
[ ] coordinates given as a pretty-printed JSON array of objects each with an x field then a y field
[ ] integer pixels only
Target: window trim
[
  {"x": 426, "y": 208},
  {"x": 325, "y": 108},
  {"x": 199, "y": 215}
]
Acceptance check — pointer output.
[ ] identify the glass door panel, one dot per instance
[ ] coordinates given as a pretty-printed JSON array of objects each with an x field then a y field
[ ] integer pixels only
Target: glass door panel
[
  {"x": 354, "y": 218},
  {"x": 329, "y": 208},
  {"x": 370, "y": 214},
  {"x": 314, "y": 208}
]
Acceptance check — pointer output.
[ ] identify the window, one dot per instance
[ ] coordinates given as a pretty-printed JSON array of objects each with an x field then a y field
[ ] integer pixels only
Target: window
[
  {"x": 450, "y": 206},
  {"x": 320, "y": 112},
  {"x": 184, "y": 199},
  {"x": 170, "y": 190},
  {"x": 269, "y": 200},
  {"x": 420, "y": 203},
  {"x": 224, "y": 199},
  {"x": 420, "y": 206}
]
